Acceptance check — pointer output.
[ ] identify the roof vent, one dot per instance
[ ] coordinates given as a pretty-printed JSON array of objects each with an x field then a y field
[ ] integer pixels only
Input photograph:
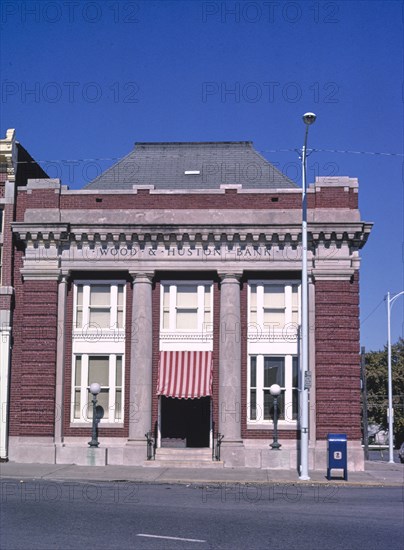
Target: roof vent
[{"x": 192, "y": 172}]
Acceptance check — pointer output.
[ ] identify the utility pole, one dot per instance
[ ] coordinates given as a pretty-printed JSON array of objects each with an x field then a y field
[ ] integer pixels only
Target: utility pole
[{"x": 364, "y": 404}]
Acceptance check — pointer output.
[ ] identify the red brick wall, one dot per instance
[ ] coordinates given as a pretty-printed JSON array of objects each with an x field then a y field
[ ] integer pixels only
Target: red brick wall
[
  {"x": 34, "y": 359},
  {"x": 334, "y": 197},
  {"x": 337, "y": 358}
]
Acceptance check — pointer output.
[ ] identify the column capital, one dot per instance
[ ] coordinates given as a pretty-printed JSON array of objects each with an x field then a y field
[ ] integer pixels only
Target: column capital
[
  {"x": 230, "y": 277},
  {"x": 64, "y": 276},
  {"x": 142, "y": 276}
]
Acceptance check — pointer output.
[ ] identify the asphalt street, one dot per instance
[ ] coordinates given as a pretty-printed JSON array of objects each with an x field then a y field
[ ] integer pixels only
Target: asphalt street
[{"x": 41, "y": 515}]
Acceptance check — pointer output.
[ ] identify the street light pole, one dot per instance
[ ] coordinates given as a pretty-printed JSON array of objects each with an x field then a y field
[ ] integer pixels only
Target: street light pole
[
  {"x": 95, "y": 389},
  {"x": 308, "y": 119},
  {"x": 390, "y": 302}
]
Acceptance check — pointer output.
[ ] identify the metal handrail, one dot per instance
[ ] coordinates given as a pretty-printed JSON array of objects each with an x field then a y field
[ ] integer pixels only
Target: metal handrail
[
  {"x": 150, "y": 445},
  {"x": 219, "y": 439}
]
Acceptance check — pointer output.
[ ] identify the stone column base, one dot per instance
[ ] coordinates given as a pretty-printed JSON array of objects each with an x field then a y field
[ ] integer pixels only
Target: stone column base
[
  {"x": 82, "y": 456},
  {"x": 34, "y": 450},
  {"x": 134, "y": 453},
  {"x": 232, "y": 453}
]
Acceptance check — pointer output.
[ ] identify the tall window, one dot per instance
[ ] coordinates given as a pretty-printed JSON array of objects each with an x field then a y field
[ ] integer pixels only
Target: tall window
[
  {"x": 98, "y": 355},
  {"x": 272, "y": 346},
  {"x": 107, "y": 371},
  {"x": 265, "y": 370},
  {"x": 186, "y": 306}
]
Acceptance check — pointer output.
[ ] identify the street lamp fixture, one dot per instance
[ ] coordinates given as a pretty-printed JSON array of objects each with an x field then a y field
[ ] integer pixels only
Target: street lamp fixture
[
  {"x": 308, "y": 119},
  {"x": 95, "y": 389},
  {"x": 390, "y": 302},
  {"x": 275, "y": 391}
]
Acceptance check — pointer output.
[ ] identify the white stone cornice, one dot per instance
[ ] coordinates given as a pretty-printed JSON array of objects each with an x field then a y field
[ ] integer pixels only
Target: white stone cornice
[{"x": 353, "y": 233}]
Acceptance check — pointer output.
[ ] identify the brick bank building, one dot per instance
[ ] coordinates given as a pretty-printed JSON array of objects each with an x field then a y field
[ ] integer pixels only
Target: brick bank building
[{"x": 173, "y": 280}]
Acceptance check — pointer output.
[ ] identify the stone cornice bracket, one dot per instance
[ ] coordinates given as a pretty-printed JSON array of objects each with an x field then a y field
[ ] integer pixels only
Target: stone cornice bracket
[{"x": 36, "y": 232}]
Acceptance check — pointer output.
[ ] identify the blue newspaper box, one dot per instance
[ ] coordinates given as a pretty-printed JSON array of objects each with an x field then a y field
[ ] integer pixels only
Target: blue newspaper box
[{"x": 337, "y": 454}]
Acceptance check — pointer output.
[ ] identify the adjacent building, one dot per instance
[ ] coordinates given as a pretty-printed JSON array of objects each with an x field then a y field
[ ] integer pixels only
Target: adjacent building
[{"x": 173, "y": 280}]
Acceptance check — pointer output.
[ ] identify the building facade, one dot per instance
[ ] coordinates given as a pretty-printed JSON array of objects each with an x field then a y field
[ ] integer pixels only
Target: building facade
[{"x": 173, "y": 280}]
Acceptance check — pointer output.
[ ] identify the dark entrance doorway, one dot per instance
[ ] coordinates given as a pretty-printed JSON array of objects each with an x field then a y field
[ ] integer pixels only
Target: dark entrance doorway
[{"x": 185, "y": 419}]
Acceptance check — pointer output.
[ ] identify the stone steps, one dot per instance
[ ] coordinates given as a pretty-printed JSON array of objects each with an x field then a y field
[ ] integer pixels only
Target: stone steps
[{"x": 184, "y": 458}]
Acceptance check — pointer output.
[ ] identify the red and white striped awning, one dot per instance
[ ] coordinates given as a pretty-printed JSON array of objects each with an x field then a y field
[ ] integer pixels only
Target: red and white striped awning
[{"x": 185, "y": 374}]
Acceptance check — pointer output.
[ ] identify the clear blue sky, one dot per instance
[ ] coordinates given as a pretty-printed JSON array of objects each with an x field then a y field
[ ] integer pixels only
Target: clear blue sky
[{"x": 85, "y": 80}]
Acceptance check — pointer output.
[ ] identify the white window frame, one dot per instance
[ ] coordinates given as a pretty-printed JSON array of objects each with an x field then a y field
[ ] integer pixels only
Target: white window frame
[
  {"x": 268, "y": 340},
  {"x": 202, "y": 326},
  {"x": 287, "y": 390},
  {"x": 113, "y": 284},
  {"x": 288, "y": 301},
  {"x": 85, "y": 396},
  {"x": 90, "y": 340}
]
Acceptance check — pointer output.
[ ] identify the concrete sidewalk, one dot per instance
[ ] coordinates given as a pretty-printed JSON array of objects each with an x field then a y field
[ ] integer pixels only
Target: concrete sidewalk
[{"x": 375, "y": 474}]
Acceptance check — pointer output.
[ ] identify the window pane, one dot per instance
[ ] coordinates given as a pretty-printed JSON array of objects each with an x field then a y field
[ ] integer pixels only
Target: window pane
[
  {"x": 79, "y": 318},
  {"x": 79, "y": 295},
  {"x": 166, "y": 297},
  {"x": 118, "y": 404},
  {"x": 100, "y": 317},
  {"x": 79, "y": 308},
  {"x": 77, "y": 374},
  {"x": 102, "y": 400},
  {"x": 76, "y": 404},
  {"x": 295, "y": 404},
  {"x": 187, "y": 296},
  {"x": 295, "y": 296},
  {"x": 120, "y": 296},
  {"x": 187, "y": 319},
  {"x": 274, "y": 296},
  {"x": 118, "y": 379},
  {"x": 166, "y": 319},
  {"x": 100, "y": 295},
  {"x": 253, "y": 317},
  {"x": 274, "y": 317},
  {"x": 274, "y": 371},
  {"x": 253, "y": 296},
  {"x": 207, "y": 297},
  {"x": 267, "y": 405},
  {"x": 119, "y": 319},
  {"x": 253, "y": 372},
  {"x": 295, "y": 372},
  {"x": 253, "y": 405},
  {"x": 295, "y": 317},
  {"x": 98, "y": 370}
]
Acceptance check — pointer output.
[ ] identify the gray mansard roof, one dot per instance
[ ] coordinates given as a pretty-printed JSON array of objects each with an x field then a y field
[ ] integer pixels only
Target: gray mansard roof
[{"x": 192, "y": 165}]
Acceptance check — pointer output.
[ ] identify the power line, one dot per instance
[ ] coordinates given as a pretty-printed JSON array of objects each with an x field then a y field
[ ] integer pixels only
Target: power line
[
  {"x": 373, "y": 311},
  {"x": 374, "y": 153}
]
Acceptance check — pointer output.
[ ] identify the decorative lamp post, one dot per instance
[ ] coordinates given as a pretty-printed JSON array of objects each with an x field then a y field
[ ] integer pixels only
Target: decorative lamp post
[
  {"x": 95, "y": 389},
  {"x": 308, "y": 119},
  {"x": 390, "y": 302},
  {"x": 275, "y": 391}
]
